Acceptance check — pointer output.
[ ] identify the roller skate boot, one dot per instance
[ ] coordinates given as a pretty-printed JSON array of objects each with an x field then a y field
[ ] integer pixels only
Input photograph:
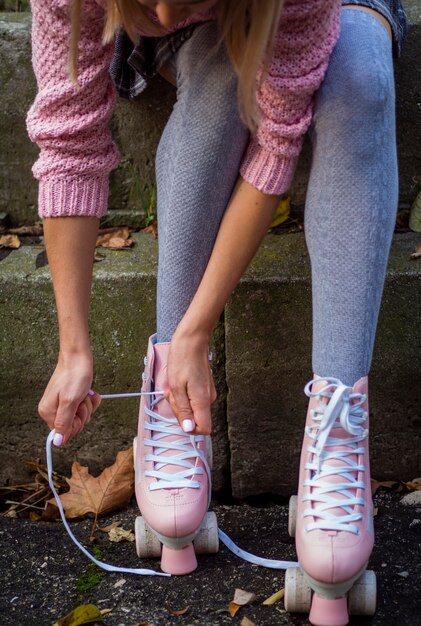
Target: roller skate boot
[
  {"x": 332, "y": 516},
  {"x": 172, "y": 478}
]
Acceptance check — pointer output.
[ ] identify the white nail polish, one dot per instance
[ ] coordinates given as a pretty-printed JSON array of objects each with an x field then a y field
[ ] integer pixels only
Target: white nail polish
[
  {"x": 188, "y": 426},
  {"x": 58, "y": 440}
]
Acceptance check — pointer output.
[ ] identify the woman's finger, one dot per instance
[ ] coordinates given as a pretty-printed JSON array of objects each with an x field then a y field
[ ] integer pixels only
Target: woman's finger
[
  {"x": 83, "y": 413},
  {"x": 76, "y": 428},
  {"x": 180, "y": 404},
  {"x": 64, "y": 421},
  {"x": 96, "y": 401}
]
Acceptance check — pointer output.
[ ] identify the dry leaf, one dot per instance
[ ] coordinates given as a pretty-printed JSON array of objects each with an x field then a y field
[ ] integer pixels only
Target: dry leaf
[
  {"x": 247, "y": 622},
  {"x": 177, "y": 611},
  {"x": 274, "y": 597},
  {"x": 417, "y": 253},
  {"x": 34, "y": 230},
  {"x": 109, "y": 491},
  {"x": 120, "y": 534},
  {"x": 105, "y": 611},
  {"x": 106, "y": 529},
  {"x": 9, "y": 241},
  {"x": 396, "y": 485},
  {"x": 153, "y": 229},
  {"x": 117, "y": 243},
  {"x": 84, "y": 614},
  {"x": 116, "y": 239},
  {"x": 233, "y": 608},
  {"x": 243, "y": 598}
]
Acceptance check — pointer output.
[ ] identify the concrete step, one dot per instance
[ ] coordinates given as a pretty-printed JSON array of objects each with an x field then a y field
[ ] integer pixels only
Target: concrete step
[
  {"x": 268, "y": 362},
  {"x": 261, "y": 355},
  {"x": 138, "y": 126},
  {"x": 122, "y": 318}
]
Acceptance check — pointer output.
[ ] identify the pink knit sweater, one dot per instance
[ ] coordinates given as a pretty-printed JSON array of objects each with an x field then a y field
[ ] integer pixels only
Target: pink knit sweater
[{"x": 71, "y": 127}]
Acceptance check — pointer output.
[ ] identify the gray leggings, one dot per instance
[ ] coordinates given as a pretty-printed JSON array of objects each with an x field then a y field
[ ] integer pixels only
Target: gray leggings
[{"x": 351, "y": 200}]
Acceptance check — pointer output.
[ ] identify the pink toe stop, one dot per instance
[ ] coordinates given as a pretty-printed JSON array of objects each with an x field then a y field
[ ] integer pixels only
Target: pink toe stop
[
  {"x": 178, "y": 562},
  {"x": 325, "y": 612}
]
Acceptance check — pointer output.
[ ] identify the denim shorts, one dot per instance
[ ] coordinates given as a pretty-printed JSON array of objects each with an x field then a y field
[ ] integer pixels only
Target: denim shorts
[
  {"x": 394, "y": 12},
  {"x": 132, "y": 65}
]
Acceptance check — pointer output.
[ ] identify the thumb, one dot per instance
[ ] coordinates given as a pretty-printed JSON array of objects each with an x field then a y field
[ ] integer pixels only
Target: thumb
[
  {"x": 63, "y": 423},
  {"x": 202, "y": 417}
]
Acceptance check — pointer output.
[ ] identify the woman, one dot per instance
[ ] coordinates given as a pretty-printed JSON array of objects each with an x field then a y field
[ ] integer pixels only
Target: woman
[{"x": 223, "y": 156}]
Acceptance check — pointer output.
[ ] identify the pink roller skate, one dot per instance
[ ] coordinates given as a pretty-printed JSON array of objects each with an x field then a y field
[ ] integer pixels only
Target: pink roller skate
[
  {"x": 332, "y": 516},
  {"x": 173, "y": 478}
]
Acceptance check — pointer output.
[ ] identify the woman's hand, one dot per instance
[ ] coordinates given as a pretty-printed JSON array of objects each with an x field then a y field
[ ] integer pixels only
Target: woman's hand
[
  {"x": 66, "y": 405},
  {"x": 191, "y": 387}
]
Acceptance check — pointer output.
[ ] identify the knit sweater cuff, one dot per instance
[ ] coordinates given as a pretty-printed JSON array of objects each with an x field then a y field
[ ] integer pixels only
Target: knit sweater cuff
[
  {"x": 270, "y": 173},
  {"x": 67, "y": 197}
]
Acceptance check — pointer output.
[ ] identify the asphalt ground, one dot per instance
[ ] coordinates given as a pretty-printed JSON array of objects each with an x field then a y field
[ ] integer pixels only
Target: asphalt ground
[{"x": 40, "y": 568}]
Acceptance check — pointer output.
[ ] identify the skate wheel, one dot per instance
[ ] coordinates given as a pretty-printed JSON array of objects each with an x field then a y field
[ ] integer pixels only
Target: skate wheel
[
  {"x": 292, "y": 515},
  {"x": 209, "y": 451},
  {"x": 147, "y": 544},
  {"x": 207, "y": 541},
  {"x": 297, "y": 591},
  {"x": 134, "y": 450},
  {"x": 362, "y": 595}
]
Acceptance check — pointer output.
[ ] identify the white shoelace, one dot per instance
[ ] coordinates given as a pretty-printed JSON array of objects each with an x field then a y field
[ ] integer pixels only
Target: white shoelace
[
  {"x": 344, "y": 409},
  {"x": 225, "y": 539},
  {"x": 186, "y": 453}
]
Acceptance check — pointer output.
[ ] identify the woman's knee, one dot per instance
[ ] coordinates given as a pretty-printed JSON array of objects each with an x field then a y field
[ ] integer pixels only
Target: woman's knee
[{"x": 360, "y": 72}]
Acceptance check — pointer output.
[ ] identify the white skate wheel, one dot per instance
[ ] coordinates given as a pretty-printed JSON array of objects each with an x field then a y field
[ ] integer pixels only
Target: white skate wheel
[
  {"x": 207, "y": 541},
  {"x": 362, "y": 595},
  {"x": 147, "y": 543},
  {"x": 297, "y": 591},
  {"x": 209, "y": 450},
  {"x": 134, "y": 450},
  {"x": 292, "y": 515}
]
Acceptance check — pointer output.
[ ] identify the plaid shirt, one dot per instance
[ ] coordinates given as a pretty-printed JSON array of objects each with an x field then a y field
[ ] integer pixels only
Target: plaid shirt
[{"x": 132, "y": 65}]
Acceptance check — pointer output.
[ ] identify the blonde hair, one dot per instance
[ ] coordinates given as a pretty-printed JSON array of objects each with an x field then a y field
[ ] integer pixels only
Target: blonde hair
[{"x": 247, "y": 31}]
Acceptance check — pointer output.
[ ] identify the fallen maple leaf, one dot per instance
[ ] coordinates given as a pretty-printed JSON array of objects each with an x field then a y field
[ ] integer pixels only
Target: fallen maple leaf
[
  {"x": 109, "y": 491},
  {"x": 9, "y": 241}
]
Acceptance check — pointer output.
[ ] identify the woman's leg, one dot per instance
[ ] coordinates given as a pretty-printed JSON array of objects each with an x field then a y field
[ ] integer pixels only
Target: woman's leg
[
  {"x": 350, "y": 214},
  {"x": 197, "y": 166},
  {"x": 352, "y": 196}
]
